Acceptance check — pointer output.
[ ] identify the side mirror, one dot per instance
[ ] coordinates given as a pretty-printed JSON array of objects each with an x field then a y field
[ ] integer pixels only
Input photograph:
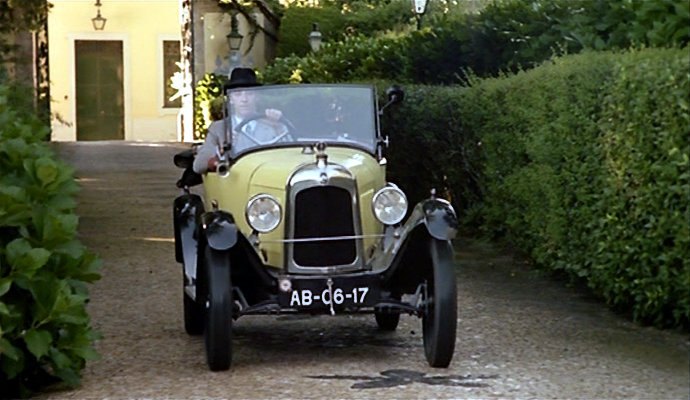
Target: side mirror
[{"x": 395, "y": 95}]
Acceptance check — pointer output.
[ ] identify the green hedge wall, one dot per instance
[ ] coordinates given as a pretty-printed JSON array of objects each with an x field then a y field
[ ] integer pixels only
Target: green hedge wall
[
  {"x": 582, "y": 162},
  {"x": 45, "y": 334}
]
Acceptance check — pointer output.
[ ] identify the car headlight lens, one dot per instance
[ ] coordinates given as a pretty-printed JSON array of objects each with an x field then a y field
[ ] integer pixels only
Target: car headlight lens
[
  {"x": 263, "y": 213},
  {"x": 390, "y": 205}
]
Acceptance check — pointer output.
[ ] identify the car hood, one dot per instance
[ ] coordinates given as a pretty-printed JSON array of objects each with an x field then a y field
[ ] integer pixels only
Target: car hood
[{"x": 272, "y": 169}]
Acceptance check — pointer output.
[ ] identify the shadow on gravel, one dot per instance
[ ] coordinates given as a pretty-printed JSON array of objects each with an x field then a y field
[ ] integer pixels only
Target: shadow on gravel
[{"x": 402, "y": 377}]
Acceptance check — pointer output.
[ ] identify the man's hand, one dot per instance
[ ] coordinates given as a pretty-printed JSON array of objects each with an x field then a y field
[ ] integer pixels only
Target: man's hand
[
  {"x": 273, "y": 114},
  {"x": 212, "y": 164}
]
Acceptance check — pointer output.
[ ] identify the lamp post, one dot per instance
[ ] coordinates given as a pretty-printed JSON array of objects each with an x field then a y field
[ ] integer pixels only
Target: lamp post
[
  {"x": 98, "y": 21},
  {"x": 234, "y": 42},
  {"x": 419, "y": 7},
  {"x": 315, "y": 37}
]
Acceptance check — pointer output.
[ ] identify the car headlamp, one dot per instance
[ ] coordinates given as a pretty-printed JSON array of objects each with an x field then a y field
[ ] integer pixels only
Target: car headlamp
[
  {"x": 390, "y": 205},
  {"x": 263, "y": 213}
]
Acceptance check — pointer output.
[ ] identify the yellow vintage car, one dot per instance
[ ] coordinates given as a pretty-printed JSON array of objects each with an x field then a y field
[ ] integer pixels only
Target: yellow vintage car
[{"x": 304, "y": 221}]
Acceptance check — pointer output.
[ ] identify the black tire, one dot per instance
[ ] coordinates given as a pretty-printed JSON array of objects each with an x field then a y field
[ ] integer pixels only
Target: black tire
[
  {"x": 218, "y": 327},
  {"x": 387, "y": 321},
  {"x": 193, "y": 316},
  {"x": 439, "y": 322}
]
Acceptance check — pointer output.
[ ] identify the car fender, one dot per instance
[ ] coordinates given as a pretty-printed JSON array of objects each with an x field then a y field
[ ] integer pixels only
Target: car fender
[
  {"x": 439, "y": 218},
  {"x": 219, "y": 229},
  {"x": 186, "y": 211},
  {"x": 401, "y": 251}
]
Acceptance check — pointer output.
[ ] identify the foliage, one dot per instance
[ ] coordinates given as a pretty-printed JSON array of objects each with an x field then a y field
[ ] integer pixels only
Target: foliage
[
  {"x": 17, "y": 16},
  {"x": 356, "y": 58},
  {"x": 506, "y": 36},
  {"x": 207, "y": 89},
  {"x": 582, "y": 163},
  {"x": 297, "y": 24},
  {"x": 44, "y": 328},
  {"x": 337, "y": 22}
]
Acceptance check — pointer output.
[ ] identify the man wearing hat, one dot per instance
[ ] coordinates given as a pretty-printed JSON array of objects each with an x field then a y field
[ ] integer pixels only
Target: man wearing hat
[{"x": 243, "y": 106}]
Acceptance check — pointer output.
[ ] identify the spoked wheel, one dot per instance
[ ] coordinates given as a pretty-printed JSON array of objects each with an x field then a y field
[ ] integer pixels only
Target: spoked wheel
[
  {"x": 218, "y": 329},
  {"x": 193, "y": 315},
  {"x": 387, "y": 321},
  {"x": 439, "y": 320}
]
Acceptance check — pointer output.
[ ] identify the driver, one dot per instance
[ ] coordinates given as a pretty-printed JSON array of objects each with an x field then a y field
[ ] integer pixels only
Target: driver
[{"x": 256, "y": 131}]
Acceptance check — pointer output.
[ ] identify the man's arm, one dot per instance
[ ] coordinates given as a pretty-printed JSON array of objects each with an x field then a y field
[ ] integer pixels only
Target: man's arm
[{"x": 206, "y": 159}]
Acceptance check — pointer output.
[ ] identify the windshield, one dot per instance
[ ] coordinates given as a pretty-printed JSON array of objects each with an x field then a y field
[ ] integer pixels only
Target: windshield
[{"x": 301, "y": 114}]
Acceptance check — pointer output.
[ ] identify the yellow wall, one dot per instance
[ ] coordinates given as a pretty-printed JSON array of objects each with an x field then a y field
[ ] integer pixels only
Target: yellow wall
[{"x": 142, "y": 25}]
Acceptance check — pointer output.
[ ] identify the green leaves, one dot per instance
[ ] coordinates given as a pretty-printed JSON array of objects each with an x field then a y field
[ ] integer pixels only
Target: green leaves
[
  {"x": 38, "y": 342},
  {"x": 24, "y": 259},
  {"x": 46, "y": 170},
  {"x": 585, "y": 167},
  {"x": 44, "y": 328},
  {"x": 582, "y": 163}
]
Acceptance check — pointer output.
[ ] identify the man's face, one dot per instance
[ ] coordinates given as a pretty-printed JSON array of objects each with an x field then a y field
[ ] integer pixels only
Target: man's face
[{"x": 243, "y": 102}]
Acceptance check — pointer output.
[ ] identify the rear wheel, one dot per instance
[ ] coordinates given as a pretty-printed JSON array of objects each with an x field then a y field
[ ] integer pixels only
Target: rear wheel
[
  {"x": 439, "y": 320},
  {"x": 218, "y": 321}
]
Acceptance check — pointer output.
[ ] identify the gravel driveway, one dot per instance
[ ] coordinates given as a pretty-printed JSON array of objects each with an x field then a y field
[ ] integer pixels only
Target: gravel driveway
[{"x": 520, "y": 335}]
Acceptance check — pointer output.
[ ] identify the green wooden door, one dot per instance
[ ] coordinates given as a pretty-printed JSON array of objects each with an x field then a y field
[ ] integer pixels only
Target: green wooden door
[{"x": 100, "y": 93}]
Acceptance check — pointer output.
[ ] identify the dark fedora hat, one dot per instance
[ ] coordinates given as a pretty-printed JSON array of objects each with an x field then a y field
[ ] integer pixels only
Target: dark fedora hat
[{"x": 242, "y": 77}]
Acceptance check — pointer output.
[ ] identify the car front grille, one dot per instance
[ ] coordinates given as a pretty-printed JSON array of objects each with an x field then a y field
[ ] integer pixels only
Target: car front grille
[{"x": 324, "y": 212}]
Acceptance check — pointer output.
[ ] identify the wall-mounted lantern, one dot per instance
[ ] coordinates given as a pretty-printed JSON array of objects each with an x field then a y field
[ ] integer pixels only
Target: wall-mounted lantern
[
  {"x": 98, "y": 21},
  {"x": 234, "y": 37}
]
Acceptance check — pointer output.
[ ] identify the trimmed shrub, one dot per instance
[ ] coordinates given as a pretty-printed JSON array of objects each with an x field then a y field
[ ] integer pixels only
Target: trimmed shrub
[
  {"x": 586, "y": 168},
  {"x": 582, "y": 163},
  {"x": 45, "y": 333}
]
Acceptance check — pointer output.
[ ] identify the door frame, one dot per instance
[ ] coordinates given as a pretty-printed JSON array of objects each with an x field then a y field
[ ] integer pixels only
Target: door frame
[{"x": 126, "y": 65}]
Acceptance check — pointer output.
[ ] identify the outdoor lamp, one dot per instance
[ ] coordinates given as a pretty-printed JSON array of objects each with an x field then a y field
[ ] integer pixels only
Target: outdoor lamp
[
  {"x": 315, "y": 37},
  {"x": 98, "y": 21},
  {"x": 419, "y": 6},
  {"x": 234, "y": 37}
]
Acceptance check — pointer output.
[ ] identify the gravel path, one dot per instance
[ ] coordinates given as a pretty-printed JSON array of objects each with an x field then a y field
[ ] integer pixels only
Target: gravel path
[{"x": 519, "y": 335}]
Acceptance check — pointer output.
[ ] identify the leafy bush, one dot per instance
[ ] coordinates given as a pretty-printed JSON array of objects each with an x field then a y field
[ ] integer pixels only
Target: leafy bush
[
  {"x": 582, "y": 163},
  {"x": 355, "y": 58},
  {"x": 207, "y": 89},
  {"x": 586, "y": 167},
  {"x": 44, "y": 328},
  {"x": 506, "y": 36},
  {"x": 297, "y": 24},
  {"x": 336, "y": 23}
]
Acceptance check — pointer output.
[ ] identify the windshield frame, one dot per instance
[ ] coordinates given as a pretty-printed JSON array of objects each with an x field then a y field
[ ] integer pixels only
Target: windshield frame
[{"x": 373, "y": 149}]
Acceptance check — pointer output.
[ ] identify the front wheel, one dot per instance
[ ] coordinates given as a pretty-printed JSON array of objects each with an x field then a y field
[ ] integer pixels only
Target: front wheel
[
  {"x": 439, "y": 320},
  {"x": 193, "y": 316},
  {"x": 218, "y": 316}
]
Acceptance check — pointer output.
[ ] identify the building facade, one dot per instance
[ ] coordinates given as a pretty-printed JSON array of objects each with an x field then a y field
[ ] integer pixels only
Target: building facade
[{"x": 114, "y": 83}]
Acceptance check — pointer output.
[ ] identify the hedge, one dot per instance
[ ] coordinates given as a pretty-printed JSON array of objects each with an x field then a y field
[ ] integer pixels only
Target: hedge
[
  {"x": 507, "y": 35},
  {"x": 45, "y": 333},
  {"x": 582, "y": 162}
]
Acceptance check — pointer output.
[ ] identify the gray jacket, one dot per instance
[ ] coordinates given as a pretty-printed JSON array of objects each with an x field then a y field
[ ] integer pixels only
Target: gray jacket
[{"x": 261, "y": 131}]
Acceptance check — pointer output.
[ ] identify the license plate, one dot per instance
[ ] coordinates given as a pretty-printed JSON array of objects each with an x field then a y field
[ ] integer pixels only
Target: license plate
[{"x": 341, "y": 293}]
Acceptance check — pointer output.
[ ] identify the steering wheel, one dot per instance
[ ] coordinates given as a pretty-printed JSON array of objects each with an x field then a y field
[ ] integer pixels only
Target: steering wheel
[{"x": 289, "y": 128}]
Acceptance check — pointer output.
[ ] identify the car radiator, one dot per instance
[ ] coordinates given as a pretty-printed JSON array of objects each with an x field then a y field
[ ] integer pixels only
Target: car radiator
[{"x": 324, "y": 212}]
